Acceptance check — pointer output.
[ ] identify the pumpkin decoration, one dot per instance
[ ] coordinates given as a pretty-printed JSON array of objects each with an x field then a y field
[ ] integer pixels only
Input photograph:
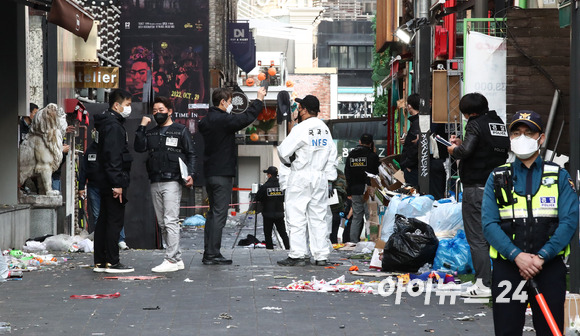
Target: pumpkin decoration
[
  {"x": 254, "y": 137},
  {"x": 261, "y": 76},
  {"x": 289, "y": 83},
  {"x": 272, "y": 71},
  {"x": 250, "y": 82}
]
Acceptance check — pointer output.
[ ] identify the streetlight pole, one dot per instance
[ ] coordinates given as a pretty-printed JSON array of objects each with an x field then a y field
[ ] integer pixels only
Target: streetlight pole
[{"x": 574, "y": 261}]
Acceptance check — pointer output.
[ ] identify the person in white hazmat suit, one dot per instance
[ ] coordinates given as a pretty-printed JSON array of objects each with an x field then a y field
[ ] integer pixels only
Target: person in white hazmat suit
[{"x": 310, "y": 153}]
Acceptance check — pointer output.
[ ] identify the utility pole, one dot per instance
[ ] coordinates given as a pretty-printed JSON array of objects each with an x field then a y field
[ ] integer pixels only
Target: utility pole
[
  {"x": 574, "y": 259},
  {"x": 423, "y": 50}
]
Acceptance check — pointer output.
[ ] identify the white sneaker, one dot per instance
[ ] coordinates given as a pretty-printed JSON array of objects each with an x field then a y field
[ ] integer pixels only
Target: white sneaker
[
  {"x": 180, "y": 265},
  {"x": 123, "y": 246},
  {"x": 166, "y": 266},
  {"x": 477, "y": 291}
]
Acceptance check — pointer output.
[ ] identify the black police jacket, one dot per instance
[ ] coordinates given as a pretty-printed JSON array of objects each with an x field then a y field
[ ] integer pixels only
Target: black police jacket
[
  {"x": 219, "y": 134},
  {"x": 112, "y": 150},
  {"x": 360, "y": 160},
  {"x": 485, "y": 147},
  {"x": 272, "y": 198},
  {"x": 89, "y": 167},
  {"x": 410, "y": 152},
  {"x": 165, "y": 149}
]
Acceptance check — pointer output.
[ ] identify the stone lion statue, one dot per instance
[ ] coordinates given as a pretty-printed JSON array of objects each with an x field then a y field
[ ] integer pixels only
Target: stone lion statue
[{"x": 41, "y": 151}]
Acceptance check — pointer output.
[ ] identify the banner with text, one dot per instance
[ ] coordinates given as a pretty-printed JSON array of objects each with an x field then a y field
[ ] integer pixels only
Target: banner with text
[
  {"x": 164, "y": 52},
  {"x": 485, "y": 69}
]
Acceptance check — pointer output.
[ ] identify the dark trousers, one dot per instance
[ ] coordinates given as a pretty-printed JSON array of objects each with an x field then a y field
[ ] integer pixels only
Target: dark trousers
[
  {"x": 346, "y": 232},
  {"x": 219, "y": 193},
  {"x": 509, "y": 318},
  {"x": 412, "y": 177},
  {"x": 335, "y": 225},
  {"x": 471, "y": 211},
  {"x": 269, "y": 223},
  {"x": 109, "y": 225},
  {"x": 437, "y": 179}
]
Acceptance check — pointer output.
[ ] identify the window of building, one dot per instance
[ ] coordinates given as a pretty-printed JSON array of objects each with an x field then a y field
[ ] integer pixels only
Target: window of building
[{"x": 350, "y": 57}]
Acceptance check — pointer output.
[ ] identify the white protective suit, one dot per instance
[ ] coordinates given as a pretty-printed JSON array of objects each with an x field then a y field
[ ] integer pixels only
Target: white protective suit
[{"x": 306, "y": 199}]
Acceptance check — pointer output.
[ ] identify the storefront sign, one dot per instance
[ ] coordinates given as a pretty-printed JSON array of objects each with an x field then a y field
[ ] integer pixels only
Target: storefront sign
[{"x": 96, "y": 77}]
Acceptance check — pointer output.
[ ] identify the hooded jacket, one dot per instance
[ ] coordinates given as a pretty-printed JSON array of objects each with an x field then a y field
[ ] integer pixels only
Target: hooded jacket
[
  {"x": 112, "y": 150},
  {"x": 410, "y": 152},
  {"x": 219, "y": 134}
]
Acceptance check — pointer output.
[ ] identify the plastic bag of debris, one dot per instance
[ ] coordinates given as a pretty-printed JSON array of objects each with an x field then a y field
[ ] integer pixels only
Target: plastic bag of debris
[
  {"x": 454, "y": 255},
  {"x": 412, "y": 245},
  {"x": 446, "y": 218}
]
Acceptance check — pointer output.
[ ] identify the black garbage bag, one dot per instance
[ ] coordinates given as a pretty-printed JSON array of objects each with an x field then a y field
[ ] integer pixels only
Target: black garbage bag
[{"x": 412, "y": 245}]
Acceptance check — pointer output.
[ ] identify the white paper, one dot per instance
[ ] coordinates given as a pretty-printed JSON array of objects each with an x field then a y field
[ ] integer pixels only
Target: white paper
[
  {"x": 334, "y": 199},
  {"x": 183, "y": 169}
]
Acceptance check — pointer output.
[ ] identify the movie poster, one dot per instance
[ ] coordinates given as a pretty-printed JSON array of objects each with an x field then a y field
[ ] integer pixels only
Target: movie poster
[{"x": 164, "y": 52}]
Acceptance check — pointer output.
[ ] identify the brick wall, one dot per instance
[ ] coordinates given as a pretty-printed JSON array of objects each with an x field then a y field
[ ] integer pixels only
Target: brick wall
[{"x": 317, "y": 85}]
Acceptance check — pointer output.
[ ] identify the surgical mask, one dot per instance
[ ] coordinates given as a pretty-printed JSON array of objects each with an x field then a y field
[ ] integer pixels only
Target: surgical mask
[
  {"x": 229, "y": 108},
  {"x": 524, "y": 147},
  {"x": 298, "y": 117},
  {"x": 160, "y": 118},
  {"x": 126, "y": 111}
]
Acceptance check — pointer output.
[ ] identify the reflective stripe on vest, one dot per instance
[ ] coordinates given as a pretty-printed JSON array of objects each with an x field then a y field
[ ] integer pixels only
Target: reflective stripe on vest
[{"x": 544, "y": 203}]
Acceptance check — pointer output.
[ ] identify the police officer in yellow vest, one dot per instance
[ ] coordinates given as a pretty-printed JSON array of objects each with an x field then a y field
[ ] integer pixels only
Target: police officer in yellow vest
[{"x": 529, "y": 215}]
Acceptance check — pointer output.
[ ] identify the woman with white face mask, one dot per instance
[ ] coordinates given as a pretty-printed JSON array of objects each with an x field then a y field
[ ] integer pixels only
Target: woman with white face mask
[{"x": 530, "y": 214}]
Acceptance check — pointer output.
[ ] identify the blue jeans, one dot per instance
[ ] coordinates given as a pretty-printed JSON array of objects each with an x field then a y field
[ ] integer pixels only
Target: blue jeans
[{"x": 95, "y": 206}]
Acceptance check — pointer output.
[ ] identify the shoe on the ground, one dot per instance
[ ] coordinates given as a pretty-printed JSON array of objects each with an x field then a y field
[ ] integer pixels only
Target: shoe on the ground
[
  {"x": 166, "y": 266},
  {"x": 292, "y": 262},
  {"x": 180, "y": 265},
  {"x": 123, "y": 246},
  {"x": 219, "y": 260},
  {"x": 101, "y": 268},
  {"x": 119, "y": 268},
  {"x": 477, "y": 291},
  {"x": 321, "y": 262}
]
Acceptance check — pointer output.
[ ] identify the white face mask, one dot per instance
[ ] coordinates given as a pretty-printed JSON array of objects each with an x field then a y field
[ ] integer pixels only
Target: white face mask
[
  {"x": 229, "y": 108},
  {"x": 524, "y": 147},
  {"x": 126, "y": 111}
]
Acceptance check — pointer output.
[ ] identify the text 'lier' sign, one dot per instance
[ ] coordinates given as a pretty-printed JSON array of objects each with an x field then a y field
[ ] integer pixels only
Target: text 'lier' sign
[{"x": 96, "y": 77}]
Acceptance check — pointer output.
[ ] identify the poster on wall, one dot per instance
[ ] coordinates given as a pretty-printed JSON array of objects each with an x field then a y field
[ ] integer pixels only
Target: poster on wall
[
  {"x": 485, "y": 69},
  {"x": 164, "y": 52}
]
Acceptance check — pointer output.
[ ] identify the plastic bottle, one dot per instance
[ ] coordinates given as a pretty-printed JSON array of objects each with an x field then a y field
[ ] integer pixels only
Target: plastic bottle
[
  {"x": 4, "y": 271},
  {"x": 15, "y": 274}
]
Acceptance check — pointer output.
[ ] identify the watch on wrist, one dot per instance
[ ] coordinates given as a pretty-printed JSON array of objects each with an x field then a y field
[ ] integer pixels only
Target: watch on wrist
[{"x": 540, "y": 256}]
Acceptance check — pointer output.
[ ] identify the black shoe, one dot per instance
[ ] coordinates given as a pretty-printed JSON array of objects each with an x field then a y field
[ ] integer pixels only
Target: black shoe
[
  {"x": 321, "y": 262},
  {"x": 119, "y": 268},
  {"x": 220, "y": 260},
  {"x": 292, "y": 262}
]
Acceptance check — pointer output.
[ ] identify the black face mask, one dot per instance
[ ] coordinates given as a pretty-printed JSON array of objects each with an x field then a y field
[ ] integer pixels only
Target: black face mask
[
  {"x": 298, "y": 117},
  {"x": 161, "y": 118}
]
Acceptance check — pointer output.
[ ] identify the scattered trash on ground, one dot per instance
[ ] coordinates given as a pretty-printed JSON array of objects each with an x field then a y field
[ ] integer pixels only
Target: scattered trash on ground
[
  {"x": 152, "y": 308},
  {"x": 336, "y": 285},
  {"x": 225, "y": 316},
  {"x": 96, "y": 296},
  {"x": 465, "y": 318},
  {"x": 188, "y": 280},
  {"x": 136, "y": 277}
]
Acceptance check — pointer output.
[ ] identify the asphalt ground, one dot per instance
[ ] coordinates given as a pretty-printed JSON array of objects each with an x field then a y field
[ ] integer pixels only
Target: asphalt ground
[{"x": 221, "y": 300}]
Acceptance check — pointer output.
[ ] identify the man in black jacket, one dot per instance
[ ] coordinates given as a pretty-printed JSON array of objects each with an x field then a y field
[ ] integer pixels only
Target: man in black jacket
[
  {"x": 114, "y": 167},
  {"x": 169, "y": 146},
  {"x": 485, "y": 147},
  {"x": 410, "y": 153},
  {"x": 219, "y": 129},
  {"x": 360, "y": 160},
  {"x": 272, "y": 199}
]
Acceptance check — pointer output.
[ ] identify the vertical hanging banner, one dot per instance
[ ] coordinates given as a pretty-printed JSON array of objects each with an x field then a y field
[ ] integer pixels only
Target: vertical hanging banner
[
  {"x": 485, "y": 69},
  {"x": 241, "y": 45},
  {"x": 164, "y": 52}
]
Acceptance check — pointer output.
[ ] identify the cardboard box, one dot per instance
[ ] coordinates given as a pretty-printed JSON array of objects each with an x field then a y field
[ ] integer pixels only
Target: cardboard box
[
  {"x": 380, "y": 244},
  {"x": 400, "y": 176},
  {"x": 571, "y": 308},
  {"x": 375, "y": 231}
]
